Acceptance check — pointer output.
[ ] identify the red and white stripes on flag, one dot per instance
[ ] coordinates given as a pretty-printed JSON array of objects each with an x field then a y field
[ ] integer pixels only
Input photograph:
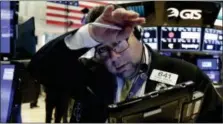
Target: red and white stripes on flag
[{"x": 60, "y": 13}]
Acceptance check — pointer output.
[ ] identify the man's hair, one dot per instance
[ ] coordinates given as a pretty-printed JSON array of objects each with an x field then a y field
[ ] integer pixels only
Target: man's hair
[
  {"x": 95, "y": 12},
  {"x": 98, "y": 10}
]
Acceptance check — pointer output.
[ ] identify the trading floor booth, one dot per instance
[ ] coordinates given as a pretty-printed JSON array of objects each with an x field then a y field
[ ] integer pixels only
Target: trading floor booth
[{"x": 176, "y": 104}]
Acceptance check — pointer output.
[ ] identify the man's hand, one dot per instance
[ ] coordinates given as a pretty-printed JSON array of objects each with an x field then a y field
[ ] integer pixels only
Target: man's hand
[{"x": 125, "y": 19}]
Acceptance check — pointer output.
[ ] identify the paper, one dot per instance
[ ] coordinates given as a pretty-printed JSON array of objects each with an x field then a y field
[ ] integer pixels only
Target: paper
[
  {"x": 197, "y": 106},
  {"x": 8, "y": 74},
  {"x": 164, "y": 77}
]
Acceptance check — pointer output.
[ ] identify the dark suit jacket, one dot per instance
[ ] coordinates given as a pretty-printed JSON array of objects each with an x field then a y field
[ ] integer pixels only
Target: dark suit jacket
[{"x": 94, "y": 87}]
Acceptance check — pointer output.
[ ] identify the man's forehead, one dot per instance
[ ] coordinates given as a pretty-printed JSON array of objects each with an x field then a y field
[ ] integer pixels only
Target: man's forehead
[{"x": 111, "y": 43}]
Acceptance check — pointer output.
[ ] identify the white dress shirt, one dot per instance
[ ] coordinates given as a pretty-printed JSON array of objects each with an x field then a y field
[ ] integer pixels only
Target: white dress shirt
[{"x": 120, "y": 82}]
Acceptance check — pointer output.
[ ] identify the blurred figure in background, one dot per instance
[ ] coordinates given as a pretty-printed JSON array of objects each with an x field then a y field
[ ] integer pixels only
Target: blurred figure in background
[
  {"x": 59, "y": 101},
  {"x": 34, "y": 104}
]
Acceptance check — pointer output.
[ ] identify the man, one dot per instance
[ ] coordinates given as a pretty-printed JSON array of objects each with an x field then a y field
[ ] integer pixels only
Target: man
[
  {"x": 97, "y": 77},
  {"x": 56, "y": 99},
  {"x": 34, "y": 104}
]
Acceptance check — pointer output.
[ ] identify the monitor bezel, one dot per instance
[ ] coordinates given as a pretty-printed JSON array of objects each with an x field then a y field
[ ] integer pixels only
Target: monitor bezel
[
  {"x": 178, "y": 50},
  {"x": 210, "y": 51},
  {"x": 14, "y": 24},
  {"x": 219, "y": 78},
  {"x": 207, "y": 59},
  {"x": 157, "y": 38},
  {"x": 12, "y": 95}
]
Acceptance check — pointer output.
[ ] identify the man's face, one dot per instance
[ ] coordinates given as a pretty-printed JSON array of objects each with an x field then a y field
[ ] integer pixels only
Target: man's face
[{"x": 121, "y": 58}]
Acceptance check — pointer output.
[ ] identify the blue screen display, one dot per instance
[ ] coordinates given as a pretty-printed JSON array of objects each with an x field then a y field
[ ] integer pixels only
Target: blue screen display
[
  {"x": 7, "y": 91},
  {"x": 213, "y": 75},
  {"x": 166, "y": 53},
  {"x": 138, "y": 8},
  {"x": 208, "y": 64},
  {"x": 180, "y": 39},
  {"x": 150, "y": 37},
  {"x": 213, "y": 40},
  {"x": 6, "y": 27}
]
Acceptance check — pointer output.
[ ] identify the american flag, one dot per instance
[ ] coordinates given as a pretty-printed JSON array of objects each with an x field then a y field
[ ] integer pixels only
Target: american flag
[{"x": 61, "y": 13}]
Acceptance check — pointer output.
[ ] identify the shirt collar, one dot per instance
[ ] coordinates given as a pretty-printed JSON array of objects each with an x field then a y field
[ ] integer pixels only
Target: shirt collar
[
  {"x": 89, "y": 54},
  {"x": 147, "y": 55}
]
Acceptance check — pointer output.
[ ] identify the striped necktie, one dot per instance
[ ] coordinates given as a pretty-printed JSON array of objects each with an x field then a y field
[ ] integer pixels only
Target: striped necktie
[{"x": 125, "y": 90}]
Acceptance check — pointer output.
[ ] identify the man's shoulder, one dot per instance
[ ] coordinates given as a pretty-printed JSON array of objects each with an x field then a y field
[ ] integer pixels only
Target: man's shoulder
[
  {"x": 55, "y": 42},
  {"x": 50, "y": 52},
  {"x": 186, "y": 71},
  {"x": 177, "y": 64}
]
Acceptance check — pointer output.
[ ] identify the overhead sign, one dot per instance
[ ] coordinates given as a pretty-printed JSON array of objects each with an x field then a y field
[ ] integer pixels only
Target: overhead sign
[
  {"x": 193, "y": 14},
  {"x": 184, "y": 13}
]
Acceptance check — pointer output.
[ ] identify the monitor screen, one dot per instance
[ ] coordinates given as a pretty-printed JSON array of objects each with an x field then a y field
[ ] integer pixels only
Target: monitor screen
[
  {"x": 166, "y": 53},
  {"x": 7, "y": 91},
  {"x": 213, "y": 40},
  {"x": 6, "y": 28},
  {"x": 213, "y": 75},
  {"x": 26, "y": 42},
  {"x": 218, "y": 21},
  {"x": 143, "y": 8},
  {"x": 137, "y": 8},
  {"x": 150, "y": 37},
  {"x": 208, "y": 64},
  {"x": 180, "y": 39}
]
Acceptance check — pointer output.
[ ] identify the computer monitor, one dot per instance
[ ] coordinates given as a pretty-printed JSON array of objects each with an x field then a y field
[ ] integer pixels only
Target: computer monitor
[
  {"x": 213, "y": 40},
  {"x": 8, "y": 28},
  {"x": 144, "y": 8},
  {"x": 208, "y": 64},
  {"x": 180, "y": 39},
  {"x": 150, "y": 37},
  {"x": 166, "y": 54},
  {"x": 166, "y": 105},
  {"x": 7, "y": 91},
  {"x": 214, "y": 76},
  {"x": 26, "y": 42}
]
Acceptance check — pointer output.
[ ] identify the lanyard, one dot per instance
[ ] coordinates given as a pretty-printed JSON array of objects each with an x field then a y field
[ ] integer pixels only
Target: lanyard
[
  {"x": 141, "y": 78},
  {"x": 137, "y": 85}
]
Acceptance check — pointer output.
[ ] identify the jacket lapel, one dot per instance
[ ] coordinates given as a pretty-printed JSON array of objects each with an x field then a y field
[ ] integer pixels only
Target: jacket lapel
[
  {"x": 151, "y": 85},
  {"x": 161, "y": 63},
  {"x": 156, "y": 63}
]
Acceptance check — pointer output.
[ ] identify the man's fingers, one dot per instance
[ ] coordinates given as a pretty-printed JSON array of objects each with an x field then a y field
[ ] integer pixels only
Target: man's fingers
[
  {"x": 122, "y": 14},
  {"x": 138, "y": 20},
  {"x": 108, "y": 11},
  {"x": 118, "y": 14},
  {"x": 131, "y": 15},
  {"x": 125, "y": 33}
]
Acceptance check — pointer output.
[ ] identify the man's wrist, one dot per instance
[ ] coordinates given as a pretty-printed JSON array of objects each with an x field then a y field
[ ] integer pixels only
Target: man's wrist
[
  {"x": 88, "y": 40},
  {"x": 91, "y": 33},
  {"x": 81, "y": 39}
]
